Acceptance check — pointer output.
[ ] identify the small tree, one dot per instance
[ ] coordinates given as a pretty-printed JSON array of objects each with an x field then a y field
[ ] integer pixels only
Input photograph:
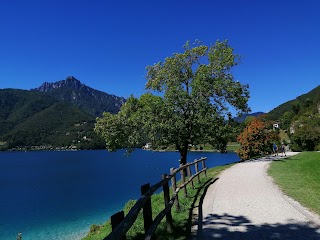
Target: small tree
[
  {"x": 256, "y": 138},
  {"x": 195, "y": 89}
]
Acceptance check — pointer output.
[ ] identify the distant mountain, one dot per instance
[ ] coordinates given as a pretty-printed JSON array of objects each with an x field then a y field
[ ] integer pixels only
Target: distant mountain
[
  {"x": 244, "y": 116},
  {"x": 59, "y": 114},
  {"x": 90, "y": 100},
  {"x": 30, "y": 118},
  {"x": 308, "y": 102}
]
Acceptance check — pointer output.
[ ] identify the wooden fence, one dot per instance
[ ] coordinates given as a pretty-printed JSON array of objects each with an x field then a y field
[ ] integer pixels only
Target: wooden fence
[{"x": 121, "y": 224}]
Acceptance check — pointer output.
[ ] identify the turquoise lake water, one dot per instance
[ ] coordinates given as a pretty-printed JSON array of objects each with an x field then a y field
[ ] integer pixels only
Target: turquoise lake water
[{"x": 59, "y": 195}]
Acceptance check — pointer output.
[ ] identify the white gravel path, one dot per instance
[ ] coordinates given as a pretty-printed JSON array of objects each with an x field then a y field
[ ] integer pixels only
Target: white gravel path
[{"x": 244, "y": 204}]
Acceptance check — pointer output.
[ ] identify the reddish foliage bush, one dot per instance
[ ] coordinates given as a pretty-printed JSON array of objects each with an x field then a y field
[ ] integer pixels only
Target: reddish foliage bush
[{"x": 256, "y": 138}]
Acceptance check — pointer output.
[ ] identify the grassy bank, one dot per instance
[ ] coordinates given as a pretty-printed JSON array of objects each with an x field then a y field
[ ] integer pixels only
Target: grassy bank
[
  {"x": 299, "y": 178},
  {"x": 231, "y": 147},
  {"x": 182, "y": 219}
]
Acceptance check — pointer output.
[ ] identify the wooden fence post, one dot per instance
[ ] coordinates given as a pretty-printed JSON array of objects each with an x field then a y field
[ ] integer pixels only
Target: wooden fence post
[
  {"x": 197, "y": 170},
  {"x": 147, "y": 209},
  {"x": 116, "y": 220},
  {"x": 190, "y": 175},
  {"x": 174, "y": 187},
  {"x": 166, "y": 195},
  {"x": 204, "y": 166},
  {"x": 183, "y": 179}
]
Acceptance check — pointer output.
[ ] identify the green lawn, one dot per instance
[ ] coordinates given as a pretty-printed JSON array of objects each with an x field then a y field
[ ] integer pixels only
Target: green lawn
[
  {"x": 299, "y": 178},
  {"x": 181, "y": 219},
  {"x": 233, "y": 147}
]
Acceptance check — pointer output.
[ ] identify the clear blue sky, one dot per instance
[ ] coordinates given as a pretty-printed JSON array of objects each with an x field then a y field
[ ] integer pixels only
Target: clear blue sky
[{"x": 107, "y": 44}]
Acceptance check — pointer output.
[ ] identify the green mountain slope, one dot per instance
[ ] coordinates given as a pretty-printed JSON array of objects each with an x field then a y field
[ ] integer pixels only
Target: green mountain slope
[
  {"x": 301, "y": 118},
  {"x": 17, "y": 105},
  {"x": 306, "y": 103},
  {"x": 29, "y": 118}
]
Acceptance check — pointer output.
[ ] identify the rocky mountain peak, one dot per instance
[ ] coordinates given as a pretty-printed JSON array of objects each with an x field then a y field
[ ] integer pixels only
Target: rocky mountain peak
[
  {"x": 72, "y": 79},
  {"x": 91, "y": 100},
  {"x": 73, "y": 82},
  {"x": 68, "y": 82}
]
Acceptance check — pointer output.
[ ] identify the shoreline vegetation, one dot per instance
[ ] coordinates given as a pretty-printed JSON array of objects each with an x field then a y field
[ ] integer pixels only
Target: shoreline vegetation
[
  {"x": 182, "y": 220},
  {"x": 231, "y": 147}
]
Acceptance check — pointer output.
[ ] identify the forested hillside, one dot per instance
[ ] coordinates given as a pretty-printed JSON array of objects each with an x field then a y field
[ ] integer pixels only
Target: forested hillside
[
  {"x": 305, "y": 103},
  {"x": 29, "y": 118},
  {"x": 301, "y": 119}
]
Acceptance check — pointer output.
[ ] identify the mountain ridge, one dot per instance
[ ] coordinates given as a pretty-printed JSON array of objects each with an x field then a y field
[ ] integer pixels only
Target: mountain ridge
[
  {"x": 30, "y": 118},
  {"x": 55, "y": 115},
  {"x": 243, "y": 117},
  {"x": 301, "y": 104},
  {"x": 92, "y": 101}
]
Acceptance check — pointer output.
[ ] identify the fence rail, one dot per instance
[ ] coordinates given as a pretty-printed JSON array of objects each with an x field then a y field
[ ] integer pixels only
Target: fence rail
[{"x": 121, "y": 224}]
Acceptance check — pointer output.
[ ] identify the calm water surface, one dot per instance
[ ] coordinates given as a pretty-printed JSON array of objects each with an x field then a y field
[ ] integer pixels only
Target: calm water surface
[{"x": 59, "y": 195}]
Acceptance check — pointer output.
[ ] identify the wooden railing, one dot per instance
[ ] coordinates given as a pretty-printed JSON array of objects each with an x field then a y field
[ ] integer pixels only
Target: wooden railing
[{"x": 121, "y": 225}]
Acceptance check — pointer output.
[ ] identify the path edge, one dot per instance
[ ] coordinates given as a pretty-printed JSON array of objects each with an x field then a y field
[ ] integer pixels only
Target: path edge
[{"x": 313, "y": 217}]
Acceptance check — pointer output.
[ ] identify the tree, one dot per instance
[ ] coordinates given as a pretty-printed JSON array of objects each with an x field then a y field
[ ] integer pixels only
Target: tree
[
  {"x": 307, "y": 134},
  {"x": 195, "y": 90},
  {"x": 286, "y": 119},
  {"x": 256, "y": 138},
  {"x": 296, "y": 108}
]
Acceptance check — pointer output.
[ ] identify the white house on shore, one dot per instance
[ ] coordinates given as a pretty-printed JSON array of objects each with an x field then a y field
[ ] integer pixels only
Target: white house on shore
[{"x": 148, "y": 146}]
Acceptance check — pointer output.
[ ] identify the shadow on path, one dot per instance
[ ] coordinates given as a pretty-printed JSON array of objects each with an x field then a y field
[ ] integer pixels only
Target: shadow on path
[{"x": 239, "y": 227}]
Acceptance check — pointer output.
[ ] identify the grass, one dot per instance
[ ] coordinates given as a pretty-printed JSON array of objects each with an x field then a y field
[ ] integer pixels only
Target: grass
[
  {"x": 299, "y": 178},
  {"x": 181, "y": 219},
  {"x": 233, "y": 147}
]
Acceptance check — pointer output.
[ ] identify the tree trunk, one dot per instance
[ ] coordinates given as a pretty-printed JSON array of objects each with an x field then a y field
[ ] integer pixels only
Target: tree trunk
[{"x": 183, "y": 155}]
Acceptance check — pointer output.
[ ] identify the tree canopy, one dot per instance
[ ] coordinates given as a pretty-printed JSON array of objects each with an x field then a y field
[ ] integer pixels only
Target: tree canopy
[
  {"x": 188, "y": 102},
  {"x": 307, "y": 133}
]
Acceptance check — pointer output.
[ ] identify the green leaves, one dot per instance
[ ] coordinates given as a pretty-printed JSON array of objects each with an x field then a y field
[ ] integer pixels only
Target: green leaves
[
  {"x": 307, "y": 133},
  {"x": 196, "y": 89}
]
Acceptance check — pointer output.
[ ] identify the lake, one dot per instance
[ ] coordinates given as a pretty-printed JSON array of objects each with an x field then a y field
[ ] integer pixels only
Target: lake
[{"x": 59, "y": 195}]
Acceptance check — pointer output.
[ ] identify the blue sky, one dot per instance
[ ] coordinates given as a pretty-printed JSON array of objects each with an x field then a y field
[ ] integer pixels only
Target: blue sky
[{"x": 107, "y": 44}]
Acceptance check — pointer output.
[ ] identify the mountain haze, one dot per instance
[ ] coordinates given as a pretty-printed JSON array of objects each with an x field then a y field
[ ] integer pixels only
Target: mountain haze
[{"x": 243, "y": 117}]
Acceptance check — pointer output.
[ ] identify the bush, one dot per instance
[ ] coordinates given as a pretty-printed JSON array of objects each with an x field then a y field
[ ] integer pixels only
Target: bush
[
  {"x": 95, "y": 228},
  {"x": 317, "y": 148},
  {"x": 296, "y": 148},
  {"x": 307, "y": 134},
  {"x": 256, "y": 139}
]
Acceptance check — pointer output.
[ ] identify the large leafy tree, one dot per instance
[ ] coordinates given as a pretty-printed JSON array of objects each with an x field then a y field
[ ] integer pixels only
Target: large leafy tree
[{"x": 194, "y": 91}]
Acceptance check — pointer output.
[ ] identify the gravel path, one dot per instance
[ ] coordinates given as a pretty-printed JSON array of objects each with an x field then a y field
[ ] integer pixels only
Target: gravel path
[{"x": 244, "y": 204}]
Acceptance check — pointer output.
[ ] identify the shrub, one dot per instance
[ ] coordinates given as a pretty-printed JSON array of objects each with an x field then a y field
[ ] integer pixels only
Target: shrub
[
  {"x": 256, "y": 138},
  {"x": 94, "y": 228}
]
